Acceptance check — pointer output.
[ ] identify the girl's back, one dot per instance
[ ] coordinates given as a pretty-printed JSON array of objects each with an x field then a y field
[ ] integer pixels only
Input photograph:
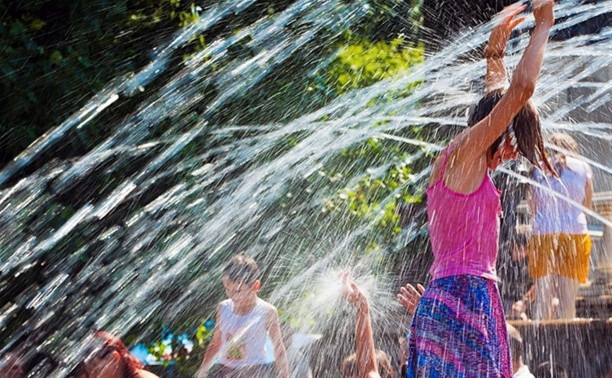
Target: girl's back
[{"x": 463, "y": 228}]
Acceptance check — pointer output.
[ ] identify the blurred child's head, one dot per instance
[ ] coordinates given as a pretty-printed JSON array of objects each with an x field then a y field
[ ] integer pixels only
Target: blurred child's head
[
  {"x": 564, "y": 142},
  {"x": 550, "y": 370},
  {"x": 523, "y": 136},
  {"x": 105, "y": 355},
  {"x": 385, "y": 370},
  {"x": 241, "y": 279},
  {"x": 516, "y": 347}
]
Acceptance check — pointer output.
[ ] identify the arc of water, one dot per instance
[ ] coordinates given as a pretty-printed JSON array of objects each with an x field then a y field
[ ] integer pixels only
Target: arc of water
[
  {"x": 110, "y": 93},
  {"x": 122, "y": 192},
  {"x": 233, "y": 82}
]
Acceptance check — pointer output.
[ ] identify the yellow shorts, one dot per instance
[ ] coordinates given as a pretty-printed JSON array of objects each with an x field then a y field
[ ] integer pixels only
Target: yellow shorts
[{"x": 562, "y": 254}]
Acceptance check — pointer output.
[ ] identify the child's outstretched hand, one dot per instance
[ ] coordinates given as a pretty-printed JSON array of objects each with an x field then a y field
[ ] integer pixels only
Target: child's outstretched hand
[
  {"x": 410, "y": 297},
  {"x": 543, "y": 12},
  {"x": 352, "y": 292},
  {"x": 496, "y": 47}
]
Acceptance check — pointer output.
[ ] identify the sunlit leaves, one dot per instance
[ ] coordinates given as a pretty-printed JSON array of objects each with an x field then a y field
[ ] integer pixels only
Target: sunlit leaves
[{"x": 362, "y": 63}]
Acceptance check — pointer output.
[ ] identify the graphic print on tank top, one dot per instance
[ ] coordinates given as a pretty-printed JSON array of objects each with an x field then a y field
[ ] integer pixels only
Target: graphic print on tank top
[
  {"x": 463, "y": 228},
  {"x": 236, "y": 348}
]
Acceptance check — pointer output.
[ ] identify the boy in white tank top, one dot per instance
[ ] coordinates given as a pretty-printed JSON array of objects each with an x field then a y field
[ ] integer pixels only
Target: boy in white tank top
[{"x": 244, "y": 322}]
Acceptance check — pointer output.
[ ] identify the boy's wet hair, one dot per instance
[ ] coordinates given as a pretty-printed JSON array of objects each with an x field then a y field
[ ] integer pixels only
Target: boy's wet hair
[
  {"x": 242, "y": 269},
  {"x": 385, "y": 369},
  {"x": 525, "y": 126}
]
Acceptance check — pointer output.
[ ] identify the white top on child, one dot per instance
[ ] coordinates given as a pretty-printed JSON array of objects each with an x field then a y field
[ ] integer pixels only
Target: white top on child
[
  {"x": 523, "y": 372},
  {"x": 554, "y": 214},
  {"x": 244, "y": 337}
]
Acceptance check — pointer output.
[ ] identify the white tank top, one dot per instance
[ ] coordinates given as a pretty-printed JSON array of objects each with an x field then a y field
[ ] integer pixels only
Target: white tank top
[
  {"x": 554, "y": 215},
  {"x": 244, "y": 337}
]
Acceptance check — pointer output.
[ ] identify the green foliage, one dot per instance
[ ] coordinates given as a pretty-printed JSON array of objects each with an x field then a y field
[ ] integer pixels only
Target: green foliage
[
  {"x": 56, "y": 55},
  {"x": 204, "y": 334},
  {"x": 362, "y": 63},
  {"x": 376, "y": 196},
  {"x": 300, "y": 317}
]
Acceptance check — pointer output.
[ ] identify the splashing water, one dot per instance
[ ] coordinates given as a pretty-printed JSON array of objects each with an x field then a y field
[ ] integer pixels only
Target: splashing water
[{"x": 152, "y": 225}]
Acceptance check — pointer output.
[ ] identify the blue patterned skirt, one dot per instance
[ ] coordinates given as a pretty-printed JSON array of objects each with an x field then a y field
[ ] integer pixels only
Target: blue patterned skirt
[{"x": 459, "y": 330}]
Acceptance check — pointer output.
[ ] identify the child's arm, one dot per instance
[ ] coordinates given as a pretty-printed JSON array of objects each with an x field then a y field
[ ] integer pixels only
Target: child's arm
[
  {"x": 213, "y": 348},
  {"x": 496, "y": 47},
  {"x": 473, "y": 143},
  {"x": 280, "y": 353},
  {"x": 364, "y": 339},
  {"x": 531, "y": 202},
  {"x": 410, "y": 297},
  {"x": 588, "y": 194}
]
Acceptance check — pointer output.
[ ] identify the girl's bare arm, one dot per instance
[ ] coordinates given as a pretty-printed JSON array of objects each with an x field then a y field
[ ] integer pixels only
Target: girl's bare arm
[
  {"x": 588, "y": 194},
  {"x": 496, "y": 47},
  {"x": 473, "y": 142}
]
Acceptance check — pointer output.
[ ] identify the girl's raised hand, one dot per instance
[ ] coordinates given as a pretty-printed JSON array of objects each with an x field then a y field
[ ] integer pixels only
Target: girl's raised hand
[
  {"x": 543, "y": 12},
  {"x": 500, "y": 34}
]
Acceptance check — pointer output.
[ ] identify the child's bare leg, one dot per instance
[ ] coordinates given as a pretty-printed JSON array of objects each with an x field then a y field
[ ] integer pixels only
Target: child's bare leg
[
  {"x": 543, "y": 297},
  {"x": 568, "y": 290}
]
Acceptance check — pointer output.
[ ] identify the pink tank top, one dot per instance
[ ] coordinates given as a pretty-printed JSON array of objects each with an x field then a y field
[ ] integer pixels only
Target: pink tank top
[{"x": 463, "y": 228}]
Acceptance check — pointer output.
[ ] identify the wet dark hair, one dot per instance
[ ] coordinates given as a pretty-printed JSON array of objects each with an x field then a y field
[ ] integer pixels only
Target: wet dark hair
[
  {"x": 384, "y": 365},
  {"x": 242, "y": 269},
  {"x": 525, "y": 125},
  {"x": 550, "y": 369}
]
